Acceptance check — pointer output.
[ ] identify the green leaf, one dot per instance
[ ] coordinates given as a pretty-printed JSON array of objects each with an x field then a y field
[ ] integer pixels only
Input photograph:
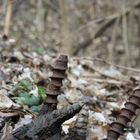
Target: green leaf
[
  {"x": 21, "y": 100},
  {"x": 27, "y": 99},
  {"x": 38, "y": 50},
  {"x": 42, "y": 93},
  {"x": 24, "y": 85},
  {"x": 24, "y": 94},
  {"x": 35, "y": 109},
  {"x": 33, "y": 100}
]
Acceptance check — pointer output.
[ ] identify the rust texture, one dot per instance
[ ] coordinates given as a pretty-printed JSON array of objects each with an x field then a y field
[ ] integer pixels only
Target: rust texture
[
  {"x": 126, "y": 115},
  {"x": 58, "y": 69}
]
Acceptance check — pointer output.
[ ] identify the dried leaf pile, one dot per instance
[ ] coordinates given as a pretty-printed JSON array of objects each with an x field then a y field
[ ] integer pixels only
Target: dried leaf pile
[{"x": 24, "y": 78}]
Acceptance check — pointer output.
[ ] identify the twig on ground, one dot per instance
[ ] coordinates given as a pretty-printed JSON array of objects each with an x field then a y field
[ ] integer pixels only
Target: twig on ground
[
  {"x": 108, "y": 63},
  {"x": 109, "y": 81}
]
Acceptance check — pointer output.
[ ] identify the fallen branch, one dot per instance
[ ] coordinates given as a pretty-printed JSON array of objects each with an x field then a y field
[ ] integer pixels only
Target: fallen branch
[{"x": 45, "y": 126}]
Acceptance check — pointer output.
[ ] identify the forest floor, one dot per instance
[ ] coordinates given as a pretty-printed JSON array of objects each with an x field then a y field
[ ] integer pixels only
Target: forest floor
[
  {"x": 100, "y": 61},
  {"x": 25, "y": 72}
]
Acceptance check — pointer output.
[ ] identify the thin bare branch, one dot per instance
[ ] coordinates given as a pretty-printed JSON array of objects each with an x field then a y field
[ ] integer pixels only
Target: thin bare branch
[
  {"x": 109, "y": 63},
  {"x": 8, "y": 18}
]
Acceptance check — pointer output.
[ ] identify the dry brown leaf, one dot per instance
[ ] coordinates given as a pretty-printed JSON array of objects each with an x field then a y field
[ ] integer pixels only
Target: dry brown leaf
[{"x": 6, "y": 102}]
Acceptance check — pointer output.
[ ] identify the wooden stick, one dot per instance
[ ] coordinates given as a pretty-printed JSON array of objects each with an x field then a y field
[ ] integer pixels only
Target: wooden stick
[{"x": 8, "y": 19}]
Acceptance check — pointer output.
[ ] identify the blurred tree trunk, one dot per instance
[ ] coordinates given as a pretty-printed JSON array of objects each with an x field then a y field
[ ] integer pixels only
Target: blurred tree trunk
[
  {"x": 40, "y": 17},
  {"x": 65, "y": 32},
  {"x": 8, "y": 17}
]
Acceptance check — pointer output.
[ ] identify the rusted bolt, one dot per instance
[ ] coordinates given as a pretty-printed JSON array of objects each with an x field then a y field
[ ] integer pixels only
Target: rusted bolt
[
  {"x": 126, "y": 115},
  {"x": 58, "y": 69}
]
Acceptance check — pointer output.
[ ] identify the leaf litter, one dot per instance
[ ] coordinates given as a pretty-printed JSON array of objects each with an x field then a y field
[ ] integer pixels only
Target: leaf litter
[{"x": 24, "y": 77}]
